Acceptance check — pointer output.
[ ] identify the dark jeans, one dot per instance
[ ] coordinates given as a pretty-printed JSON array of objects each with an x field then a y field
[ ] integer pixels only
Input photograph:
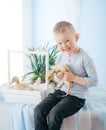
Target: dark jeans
[{"x": 49, "y": 114}]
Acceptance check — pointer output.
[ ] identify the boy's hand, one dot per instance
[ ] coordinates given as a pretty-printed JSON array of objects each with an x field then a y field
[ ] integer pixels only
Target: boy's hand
[
  {"x": 69, "y": 76},
  {"x": 58, "y": 76}
]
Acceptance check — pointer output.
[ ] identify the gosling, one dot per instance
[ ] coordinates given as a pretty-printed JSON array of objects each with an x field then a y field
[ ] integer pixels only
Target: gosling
[
  {"x": 20, "y": 85},
  {"x": 60, "y": 68}
]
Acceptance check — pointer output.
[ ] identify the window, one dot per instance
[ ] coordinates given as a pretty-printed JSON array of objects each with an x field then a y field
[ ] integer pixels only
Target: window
[{"x": 10, "y": 32}]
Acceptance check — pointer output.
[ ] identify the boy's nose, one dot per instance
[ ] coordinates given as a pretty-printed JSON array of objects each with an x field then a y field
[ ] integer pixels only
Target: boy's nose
[{"x": 64, "y": 45}]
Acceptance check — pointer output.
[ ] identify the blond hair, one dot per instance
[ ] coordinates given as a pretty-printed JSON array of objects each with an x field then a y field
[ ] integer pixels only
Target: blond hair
[{"x": 63, "y": 26}]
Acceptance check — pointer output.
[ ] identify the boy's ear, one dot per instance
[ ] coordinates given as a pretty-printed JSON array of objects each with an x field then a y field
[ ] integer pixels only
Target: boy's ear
[{"x": 77, "y": 37}]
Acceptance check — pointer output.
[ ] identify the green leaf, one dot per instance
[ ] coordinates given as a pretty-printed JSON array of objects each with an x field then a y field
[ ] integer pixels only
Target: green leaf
[{"x": 37, "y": 63}]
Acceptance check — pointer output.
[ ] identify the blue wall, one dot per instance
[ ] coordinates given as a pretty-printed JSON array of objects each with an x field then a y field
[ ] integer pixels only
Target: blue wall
[
  {"x": 46, "y": 13},
  {"x": 93, "y": 34}
]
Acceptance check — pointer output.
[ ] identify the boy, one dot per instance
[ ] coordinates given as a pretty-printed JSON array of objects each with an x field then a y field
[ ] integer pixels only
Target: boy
[{"x": 49, "y": 114}]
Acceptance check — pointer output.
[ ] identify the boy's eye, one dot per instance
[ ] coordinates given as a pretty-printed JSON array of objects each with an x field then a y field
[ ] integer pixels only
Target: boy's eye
[
  {"x": 67, "y": 41},
  {"x": 60, "y": 43}
]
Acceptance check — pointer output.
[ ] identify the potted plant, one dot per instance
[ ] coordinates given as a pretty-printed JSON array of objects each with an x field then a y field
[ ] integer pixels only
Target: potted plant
[{"x": 37, "y": 63}]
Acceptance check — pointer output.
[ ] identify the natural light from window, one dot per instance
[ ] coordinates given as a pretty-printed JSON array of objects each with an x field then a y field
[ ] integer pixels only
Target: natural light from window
[{"x": 10, "y": 33}]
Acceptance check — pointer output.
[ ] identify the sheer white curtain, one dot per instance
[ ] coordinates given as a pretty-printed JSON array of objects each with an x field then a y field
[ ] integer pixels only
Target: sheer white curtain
[{"x": 10, "y": 32}]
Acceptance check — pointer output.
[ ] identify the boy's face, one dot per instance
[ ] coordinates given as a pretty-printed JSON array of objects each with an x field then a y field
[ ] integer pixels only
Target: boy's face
[{"x": 67, "y": 41}]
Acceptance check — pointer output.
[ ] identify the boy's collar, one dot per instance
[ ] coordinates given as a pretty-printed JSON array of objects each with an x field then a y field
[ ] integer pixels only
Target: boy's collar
[{"x": 78, "y": 50}]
